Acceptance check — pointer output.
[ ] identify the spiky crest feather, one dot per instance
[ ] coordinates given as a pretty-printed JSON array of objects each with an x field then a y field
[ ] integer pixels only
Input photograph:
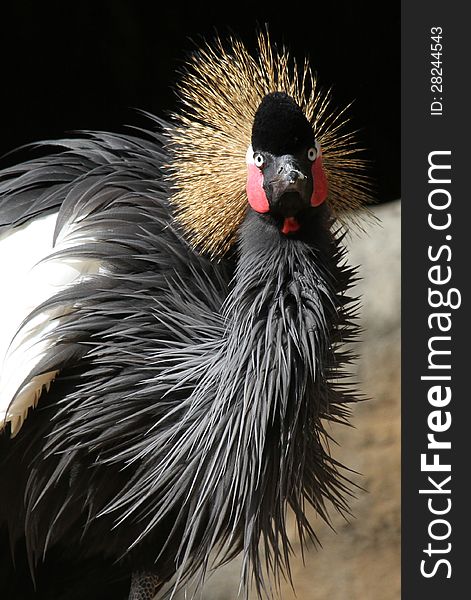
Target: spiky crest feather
[{"x": 220, "y": 91}]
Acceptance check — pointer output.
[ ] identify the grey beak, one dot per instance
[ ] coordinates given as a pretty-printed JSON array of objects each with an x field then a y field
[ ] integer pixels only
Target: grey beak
[{"x": 288, "y": 189}]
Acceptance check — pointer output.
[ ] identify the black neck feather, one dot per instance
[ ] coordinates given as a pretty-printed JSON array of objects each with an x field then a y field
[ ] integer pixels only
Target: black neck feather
[{"x": 272, "y": 381}]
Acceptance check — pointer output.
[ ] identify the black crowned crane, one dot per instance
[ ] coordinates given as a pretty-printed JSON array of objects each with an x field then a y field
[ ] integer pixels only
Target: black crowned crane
[{"x": 174, "y": 304}]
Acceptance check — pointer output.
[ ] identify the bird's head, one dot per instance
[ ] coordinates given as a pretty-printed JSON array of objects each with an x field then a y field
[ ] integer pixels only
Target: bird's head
[
  {"x": 257, "y": 131},
  {"x": 285, "y": 176}
]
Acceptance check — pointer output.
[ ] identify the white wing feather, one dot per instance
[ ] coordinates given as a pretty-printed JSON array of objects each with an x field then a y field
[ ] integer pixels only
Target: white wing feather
[{"x": 28, "y": 280}]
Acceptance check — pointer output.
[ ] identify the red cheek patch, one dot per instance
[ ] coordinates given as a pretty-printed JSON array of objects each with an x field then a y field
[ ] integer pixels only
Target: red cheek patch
[
  {"x": 255, "y": 192},
  {"x": 320, "y": 182}
]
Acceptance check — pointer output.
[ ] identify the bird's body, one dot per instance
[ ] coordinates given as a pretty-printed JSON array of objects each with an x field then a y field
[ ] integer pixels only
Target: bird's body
[{"x": 166, "y": 405}]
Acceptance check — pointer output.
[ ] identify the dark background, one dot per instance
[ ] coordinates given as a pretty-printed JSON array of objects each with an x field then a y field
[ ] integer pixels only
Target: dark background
[{"x": 87, "y": 65}]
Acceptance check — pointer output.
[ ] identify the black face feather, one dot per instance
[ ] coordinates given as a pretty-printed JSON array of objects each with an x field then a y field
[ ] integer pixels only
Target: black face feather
[{"x": 280, "y": 126}]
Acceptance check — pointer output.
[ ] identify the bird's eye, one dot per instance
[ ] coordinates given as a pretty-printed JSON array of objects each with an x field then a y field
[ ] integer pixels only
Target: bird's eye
[
  {"x": 312, "y": 154},
  {"x": 258, "y": 160}
]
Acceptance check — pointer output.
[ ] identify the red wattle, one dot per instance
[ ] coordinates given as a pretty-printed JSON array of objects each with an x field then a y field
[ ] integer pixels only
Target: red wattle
[
  {"x": 290, "y": 225},
  {"x": 255, "y": 192},
  {"x": 320, "y": 182}
]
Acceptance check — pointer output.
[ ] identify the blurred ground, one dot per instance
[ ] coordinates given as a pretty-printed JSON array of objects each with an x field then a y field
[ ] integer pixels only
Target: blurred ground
[{"x": 361, "y": 560}]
